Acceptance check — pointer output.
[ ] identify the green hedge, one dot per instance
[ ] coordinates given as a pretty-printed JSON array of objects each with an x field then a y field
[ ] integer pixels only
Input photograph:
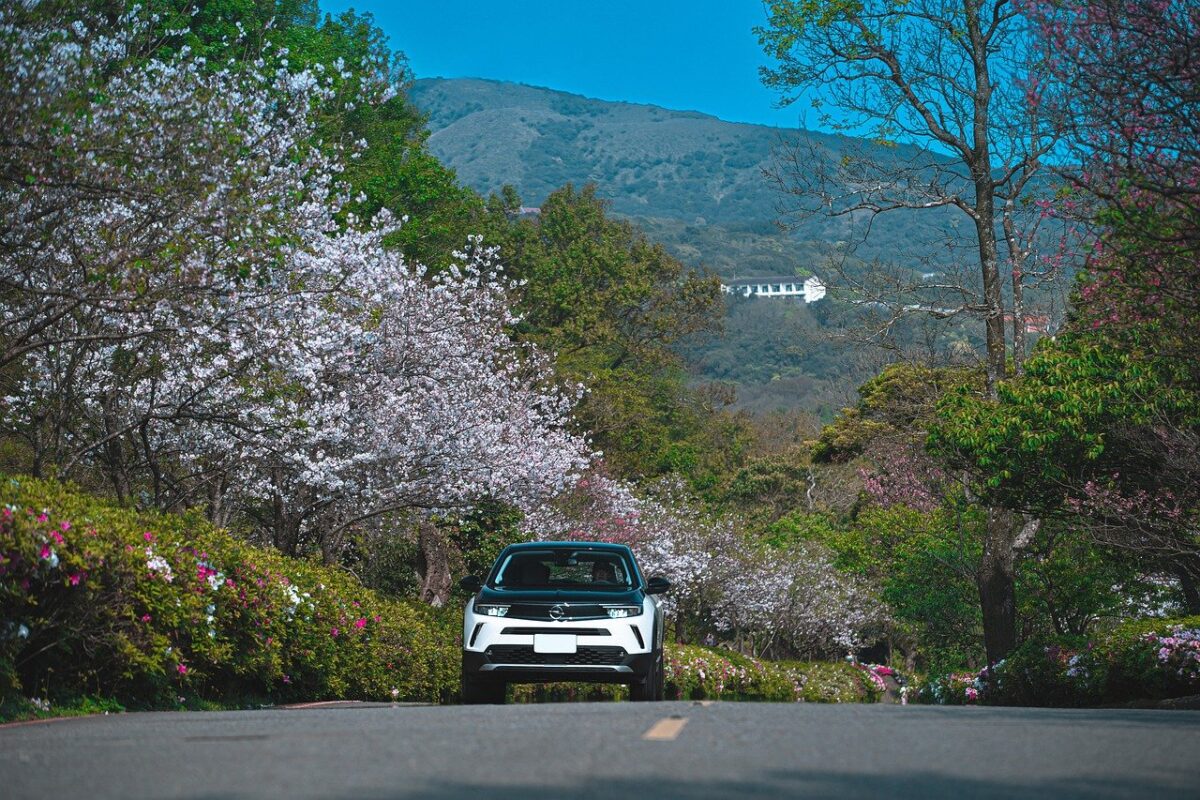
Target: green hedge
[
  {"x": 153, "y": 609},
  {"x": 1149, "y": 659},
  {"x": 705, "y": 673}
]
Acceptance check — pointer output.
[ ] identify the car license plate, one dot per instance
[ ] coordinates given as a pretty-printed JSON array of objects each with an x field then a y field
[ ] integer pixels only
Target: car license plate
[{"x": 553, "y": 643}]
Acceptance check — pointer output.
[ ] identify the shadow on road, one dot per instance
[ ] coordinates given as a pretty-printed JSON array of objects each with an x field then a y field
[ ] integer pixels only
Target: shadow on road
[{"x": 808, "y": 784}]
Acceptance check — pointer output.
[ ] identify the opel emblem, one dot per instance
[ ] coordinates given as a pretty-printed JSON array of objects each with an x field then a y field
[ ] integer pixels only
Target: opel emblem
[{"x": 557, "y": 612}]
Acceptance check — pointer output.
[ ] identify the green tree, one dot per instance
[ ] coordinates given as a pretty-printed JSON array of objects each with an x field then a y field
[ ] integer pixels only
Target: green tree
[
  {"x": 947, "y": 79},
  {"x": 612, "y": 305},
  {"x": 382, "y": 146},
  {"x": 1101, "y": 428}
]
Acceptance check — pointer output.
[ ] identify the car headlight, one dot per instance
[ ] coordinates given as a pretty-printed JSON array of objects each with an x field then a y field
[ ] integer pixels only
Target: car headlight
[
  {"x": 620, "y": 612},
  {"x": 490, "y": 610}
]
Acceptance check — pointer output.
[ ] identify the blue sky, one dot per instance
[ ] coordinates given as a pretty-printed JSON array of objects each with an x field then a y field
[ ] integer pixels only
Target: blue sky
[{"x": 698, "y": 55}]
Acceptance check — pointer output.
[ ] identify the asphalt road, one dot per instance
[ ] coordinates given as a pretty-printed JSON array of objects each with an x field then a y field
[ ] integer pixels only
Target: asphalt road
[{"x": 684, "y": 750}]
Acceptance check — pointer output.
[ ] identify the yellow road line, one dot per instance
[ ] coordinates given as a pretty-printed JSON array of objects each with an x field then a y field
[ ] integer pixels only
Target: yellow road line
[{"x": 665, "y": 730}]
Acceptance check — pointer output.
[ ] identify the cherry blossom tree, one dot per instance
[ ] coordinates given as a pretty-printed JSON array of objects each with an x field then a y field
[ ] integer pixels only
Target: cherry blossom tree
[
  {"x": 763, "y": 599},
  {"x": 188, "y": 311}
]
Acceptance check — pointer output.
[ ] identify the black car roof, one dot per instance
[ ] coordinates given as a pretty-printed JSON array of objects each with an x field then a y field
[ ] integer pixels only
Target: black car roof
[{"x": 569, "y": 546}]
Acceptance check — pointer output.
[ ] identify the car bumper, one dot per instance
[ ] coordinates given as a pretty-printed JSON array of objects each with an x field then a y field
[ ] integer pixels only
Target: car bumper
[
  {"x": 494, "y": 664},
  {"x": 606, "y": 650}
]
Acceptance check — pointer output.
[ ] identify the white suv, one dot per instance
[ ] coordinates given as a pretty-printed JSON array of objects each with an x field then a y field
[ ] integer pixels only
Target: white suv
[{"x": 563, "y": 611}]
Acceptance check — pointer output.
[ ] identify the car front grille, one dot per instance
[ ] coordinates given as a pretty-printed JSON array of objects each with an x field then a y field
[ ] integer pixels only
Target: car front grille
[
  {"x": 557, "y": 611},
  {"x": 602, "y": 656}
]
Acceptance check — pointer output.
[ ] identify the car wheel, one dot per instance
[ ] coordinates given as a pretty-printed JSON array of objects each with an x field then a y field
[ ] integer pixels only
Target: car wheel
[
  {"x": 478, "y": 691},
  {"x": 650, "y": 688}
]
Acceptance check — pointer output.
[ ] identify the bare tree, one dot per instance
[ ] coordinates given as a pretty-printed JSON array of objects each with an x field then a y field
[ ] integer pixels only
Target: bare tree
[{"x": 943, "y": 89}]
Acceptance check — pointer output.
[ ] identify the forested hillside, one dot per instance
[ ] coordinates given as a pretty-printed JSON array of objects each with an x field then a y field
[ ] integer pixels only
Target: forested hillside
[
  {"x": 710, "y": 192},
  {"x": 695, "y": 182}
]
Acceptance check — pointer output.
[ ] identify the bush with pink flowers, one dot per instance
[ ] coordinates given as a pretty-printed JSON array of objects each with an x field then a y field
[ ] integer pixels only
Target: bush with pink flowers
[
  {"x": 1138, "y": 661},
  {"x": 151, "y": 609}
]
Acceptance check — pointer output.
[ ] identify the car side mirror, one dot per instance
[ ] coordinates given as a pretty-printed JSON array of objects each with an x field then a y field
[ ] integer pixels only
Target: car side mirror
[
  {"x": 658, "y": 586},
  {"x": 471, "y": 583}
]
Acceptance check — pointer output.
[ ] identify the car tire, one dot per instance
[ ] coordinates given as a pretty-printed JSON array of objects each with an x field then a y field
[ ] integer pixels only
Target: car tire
[
  {"x": 651, "y": 688},
  {"x": 480, "y": 691}
]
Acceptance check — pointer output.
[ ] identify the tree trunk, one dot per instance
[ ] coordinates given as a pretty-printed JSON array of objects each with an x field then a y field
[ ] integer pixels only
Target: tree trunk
[
  {"x": 996, "y": 341},
  {"x": 996, "y": 581},
  {"x": 433, "y": 564},
  {"x": 1191, "y": 593},
  {"x": 1016, "y": 256},
  {"x": 285, "y": 524}
]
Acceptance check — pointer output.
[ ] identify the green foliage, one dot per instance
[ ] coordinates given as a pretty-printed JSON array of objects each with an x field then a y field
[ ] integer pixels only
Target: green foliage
[
  {"x": 391, "y": 167},
  {"x": 925, "y": 565},
  {"x": 900, "y": 399},
  {"x": 1058, "y": 672},
  {"x": 1135, "y": 669},
  {"x": 1048, "y": 429},
  {"x": 705, "y": 673},
  {"x": 610, "y": 304},
  {"x": 1138, "y": 661},
  {"x": 148, "y": 608},
  {"x": 1067, "y": 583},
  {"x": 699, "y": 673}
]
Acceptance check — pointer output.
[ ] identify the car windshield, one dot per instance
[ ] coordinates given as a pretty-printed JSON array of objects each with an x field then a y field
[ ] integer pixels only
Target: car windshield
[{"x": 567, "y": 568}]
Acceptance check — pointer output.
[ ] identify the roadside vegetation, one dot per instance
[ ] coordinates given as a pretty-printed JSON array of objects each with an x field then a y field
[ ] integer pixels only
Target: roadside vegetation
[{"x": 273, "y": 381}]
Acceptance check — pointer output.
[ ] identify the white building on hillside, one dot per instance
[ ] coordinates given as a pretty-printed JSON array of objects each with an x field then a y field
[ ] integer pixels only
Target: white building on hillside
[{"x": 810, "y": 290}]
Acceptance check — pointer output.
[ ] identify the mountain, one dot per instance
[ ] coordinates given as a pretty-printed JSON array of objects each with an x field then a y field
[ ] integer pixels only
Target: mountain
[
  {"x": 700, "y": 186},
  {"x": 694, "y": 182}
]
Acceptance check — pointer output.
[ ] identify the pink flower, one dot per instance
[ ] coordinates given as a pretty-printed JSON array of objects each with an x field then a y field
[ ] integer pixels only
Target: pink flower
[
  {"x": 66, "y": 526},
  {"x": 58, "y": 537},
  {"x": 287, "y": 678},
  {"x": 75, "y": 578},
  {"x": 360, "y": 623},
  {"x": 146, "y": 617},
  {"x": 333, "y": 632},
  {"x": 43, "y": 518},
  {"x": 229, "y": 582},
  {"x": 181, "y": 669},
  {"x": 45, "y": 552},
  {"x": 148, "y": 536}
]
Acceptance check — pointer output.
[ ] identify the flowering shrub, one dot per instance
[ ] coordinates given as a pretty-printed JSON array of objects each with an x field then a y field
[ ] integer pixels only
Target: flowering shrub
[
  {"x": 703, "y": 673},
  {"x": 1154, "y": 659},
  {"x": 954, "y": 689},
  {"x": 1179, "y": 652},
  {"x": 1138, "y": 661},
  {"x": 151, "y": 608}
]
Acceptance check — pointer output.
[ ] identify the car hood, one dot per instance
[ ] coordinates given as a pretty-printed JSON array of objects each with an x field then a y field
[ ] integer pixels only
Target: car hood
[{"x": 519, "y": 595}]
